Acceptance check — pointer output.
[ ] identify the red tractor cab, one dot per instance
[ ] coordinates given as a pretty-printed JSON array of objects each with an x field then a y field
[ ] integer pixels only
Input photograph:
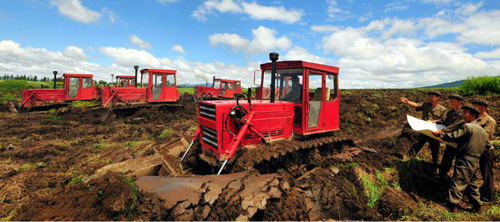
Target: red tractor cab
[
  {"x": 76, "y": 87},
  {"x": 221, "y": 88},
  {"x": 125, "y": 81},
  {"x": 306, "y": 102},
  {"x": 157, "y": 86}
]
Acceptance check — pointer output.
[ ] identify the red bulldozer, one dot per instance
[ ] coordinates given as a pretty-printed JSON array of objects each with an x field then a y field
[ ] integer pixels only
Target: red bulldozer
[
  {"x": 125, "y": 81},
  {"x": 220, "y": 89},
  {"x": 157, "y": 86},
  {"x": 305, "y": 106},
  {"x": 76, "y": 87}
]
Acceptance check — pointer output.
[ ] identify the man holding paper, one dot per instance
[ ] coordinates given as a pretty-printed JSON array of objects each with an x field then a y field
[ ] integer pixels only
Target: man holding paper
[{"x": 433, "y": 112}]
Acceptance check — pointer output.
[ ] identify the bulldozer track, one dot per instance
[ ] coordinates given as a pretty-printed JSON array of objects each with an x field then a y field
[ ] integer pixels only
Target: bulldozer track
[{"x": 268, "y": 158}]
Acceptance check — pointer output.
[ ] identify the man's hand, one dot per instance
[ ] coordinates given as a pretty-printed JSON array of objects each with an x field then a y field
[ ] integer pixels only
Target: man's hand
[
  {"x": 436, "y": 133},
  {"x": 403, "y": 100}
]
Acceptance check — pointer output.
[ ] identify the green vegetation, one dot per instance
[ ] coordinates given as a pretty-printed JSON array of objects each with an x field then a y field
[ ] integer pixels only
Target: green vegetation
[
  {"x": 482, "y": 85},
  {"x": 135, "y": 195},
  {"x": 189, "y": 90},
  {"x": 374, "y": 185},
  {"x": 76, "y": 180},
  {"x": 83, "y": 104},
  {"x": 165, "y": 133}
]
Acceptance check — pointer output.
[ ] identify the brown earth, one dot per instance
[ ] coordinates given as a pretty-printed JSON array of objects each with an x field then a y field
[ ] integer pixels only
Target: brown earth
[{"x": 47, "y": 158}]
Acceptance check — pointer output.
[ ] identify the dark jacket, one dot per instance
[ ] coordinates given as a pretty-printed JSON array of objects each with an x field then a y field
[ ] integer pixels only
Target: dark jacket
[{"x": 471, "y": 140}]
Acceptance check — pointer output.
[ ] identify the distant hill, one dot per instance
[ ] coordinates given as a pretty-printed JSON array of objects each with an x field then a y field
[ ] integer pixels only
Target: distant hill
[{"x": 446, "y": 85}]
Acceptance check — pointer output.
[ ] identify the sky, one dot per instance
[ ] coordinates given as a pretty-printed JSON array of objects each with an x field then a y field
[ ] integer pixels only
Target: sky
[{"x": 376, "y": 44}]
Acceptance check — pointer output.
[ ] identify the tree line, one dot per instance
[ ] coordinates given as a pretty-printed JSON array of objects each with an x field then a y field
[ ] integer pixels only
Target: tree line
[{"x": 44, "y": 79}]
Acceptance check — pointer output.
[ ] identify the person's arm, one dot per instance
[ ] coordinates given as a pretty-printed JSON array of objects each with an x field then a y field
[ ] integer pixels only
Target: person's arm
[
  {"x": 455, "y": 136},
  {"x": 490, "y": 128},
  {"x": 408, "y": 102}
]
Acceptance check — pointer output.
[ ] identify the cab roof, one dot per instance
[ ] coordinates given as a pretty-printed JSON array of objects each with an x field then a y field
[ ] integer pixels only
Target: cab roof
[
  {"x": 167, "y": 71},
  {"x": 301, "y": 64},
  {"x": 77, "y": 75}
]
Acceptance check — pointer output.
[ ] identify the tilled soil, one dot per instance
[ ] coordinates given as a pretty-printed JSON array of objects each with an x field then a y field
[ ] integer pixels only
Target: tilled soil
[{"x": 47, "y": 158}]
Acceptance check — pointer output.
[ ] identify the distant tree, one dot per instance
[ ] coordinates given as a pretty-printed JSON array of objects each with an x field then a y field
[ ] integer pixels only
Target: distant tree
[
  {"x": 102, "y": 82},
  {"x": 11, "y": 77},
  {"x": 35, "y": 78}
]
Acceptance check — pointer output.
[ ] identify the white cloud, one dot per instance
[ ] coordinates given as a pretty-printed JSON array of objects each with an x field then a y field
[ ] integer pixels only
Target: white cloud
[
  {"x": 111, "y": 15},
  {"x": 469, "y": 29},
  {"x": 298, "y": 53},
  {"x": 494, "y": 54},
  {"x": 76, "y": 11},
  {"x": 370, "y": 61},
  {"x": 235, "y": 41},
  {"x": 438, "y": 2},
  {"x": 74, "y": 53},
  {"x": 395, "y": 6},
  {"x": 139, "y": 42},
  {"x": 335, "y": 13},
  {"x": 166, "y": 1},
  {"x": 259, "y": 12},
  {"x": 324, "y": 28},
  {"x": 468, "y": 8},
  {"x": 264, "y": 41},
  {"x": 254, "y": 10},
  {"x": 129, "y": 57},
  {"x": 210, "y": 6},
  {"x": 17, "y": 60},
  {"x": 178, "y": 48}
]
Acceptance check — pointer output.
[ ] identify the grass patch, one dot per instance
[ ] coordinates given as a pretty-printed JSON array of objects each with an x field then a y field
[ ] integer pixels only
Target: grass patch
[
  {"x": 374, "y": 185},
  {"x": 189, "y": 90},
  {"x": 193, "y": 128},
  {"x": 9, "y": 97},
  {"x": 165, "y": 133},
  {"x": 135, "y": 194},
  {"x": 76, "y": 180},
  {"x": 98, "y": 147},
  {"x": 83, "y": 104}
]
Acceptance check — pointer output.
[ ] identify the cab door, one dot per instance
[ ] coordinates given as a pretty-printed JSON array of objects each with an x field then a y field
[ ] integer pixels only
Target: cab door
[
  {"x": 157, "y": 86},
  {"x": 314, "y": 101},
  {"x": 86, "y": 90},
  {"x": 73, "y": 87}
]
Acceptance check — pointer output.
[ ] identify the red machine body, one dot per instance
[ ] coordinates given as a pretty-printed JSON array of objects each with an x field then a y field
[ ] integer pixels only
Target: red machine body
[
  {"x": 157, "y": 85},
  {"x": 76, "y": 87},
  {"x": 125, "y": 81},
  {"x": 221, "y": 88},
  {"x": 314, "y": 111}
]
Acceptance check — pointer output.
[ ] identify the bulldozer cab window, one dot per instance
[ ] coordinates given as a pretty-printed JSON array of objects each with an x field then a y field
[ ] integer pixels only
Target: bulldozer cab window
[
  {"x": 331, "y": 87},
  {"x": 157, "y": 85},
  {"x": 74, "y": 85},
  {"x": 230, "y": 86},
  {"x": 223, "y": 88},
  {"x": 315, "y": 98},
  {"x": 145, "y": 79},
  {"x": 86, "y": 82},
  {"x": 132, "y": 82},
  {"x": 170, "y": 80},
  {"x": 216, "y": 84},
  {"x": 237, "y": 85},
  {"x": 288, "y": 85}
]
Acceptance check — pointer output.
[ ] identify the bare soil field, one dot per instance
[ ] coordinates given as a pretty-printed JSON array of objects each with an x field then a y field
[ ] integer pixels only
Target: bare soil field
[{"x": 71, "y": 164}]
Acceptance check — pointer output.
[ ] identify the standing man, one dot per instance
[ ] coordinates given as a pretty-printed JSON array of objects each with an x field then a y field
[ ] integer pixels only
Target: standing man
[
  {"x": 486, "y": 163},
  {"x": 452, "y": 121},
  {"x": 471, "y": 142},
  {"x": 434, "y": 112}
]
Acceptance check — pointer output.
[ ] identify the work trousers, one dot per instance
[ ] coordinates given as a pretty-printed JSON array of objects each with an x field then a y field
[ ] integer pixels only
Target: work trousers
[
  {"x": 465, "y": 175},
  {"x": 433, "y": 145},
  {"x": 447, "y": 160},
  {"x": 486, "y": 166}
]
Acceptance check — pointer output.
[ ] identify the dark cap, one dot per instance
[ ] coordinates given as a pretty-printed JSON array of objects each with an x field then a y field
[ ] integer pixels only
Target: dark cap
[
  {"x": 432, "y": 92},
  {"x": 471, "y": 108},
  {"x": 479, "y": 102},
  {"x": 456, "y": 96}
]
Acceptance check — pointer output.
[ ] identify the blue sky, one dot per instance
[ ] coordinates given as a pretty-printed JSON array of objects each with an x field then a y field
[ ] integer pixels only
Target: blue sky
[{"x": 376, "y": 44}]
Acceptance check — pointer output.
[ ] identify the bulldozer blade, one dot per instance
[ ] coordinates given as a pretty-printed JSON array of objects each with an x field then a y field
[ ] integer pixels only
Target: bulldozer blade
[{"x": 170, "y": 153}]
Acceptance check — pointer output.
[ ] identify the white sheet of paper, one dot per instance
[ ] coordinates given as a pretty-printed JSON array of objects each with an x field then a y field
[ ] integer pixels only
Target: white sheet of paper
[{"x": 426, "y": 128}]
